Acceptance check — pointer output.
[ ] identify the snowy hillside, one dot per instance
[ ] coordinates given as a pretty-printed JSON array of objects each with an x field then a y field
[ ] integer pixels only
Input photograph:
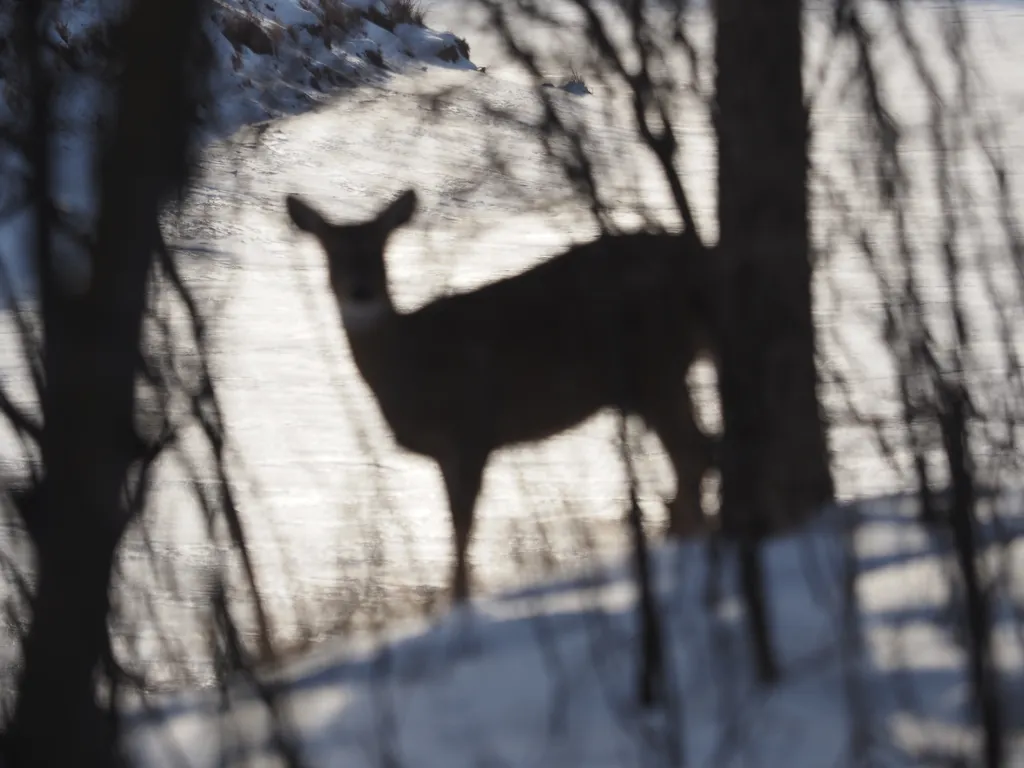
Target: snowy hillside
[
  {"x": 284, "y": 54},
  {"x": 547, "y": 676},
  {"x": 273, "y": 56}
]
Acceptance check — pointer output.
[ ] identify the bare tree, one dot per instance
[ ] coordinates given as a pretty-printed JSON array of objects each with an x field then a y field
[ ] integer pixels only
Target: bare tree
[
  {"x": 775, "y": 467},
  {"x": 957, "y": 440},
  {"x": 88, "y": 443}
]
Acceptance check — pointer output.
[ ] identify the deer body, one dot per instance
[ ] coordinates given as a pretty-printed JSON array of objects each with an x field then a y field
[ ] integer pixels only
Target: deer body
[{"x": 616, "y": 322}]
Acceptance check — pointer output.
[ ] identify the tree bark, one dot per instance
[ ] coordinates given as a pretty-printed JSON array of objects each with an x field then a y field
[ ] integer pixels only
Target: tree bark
[{"x": 775, "y": 463}]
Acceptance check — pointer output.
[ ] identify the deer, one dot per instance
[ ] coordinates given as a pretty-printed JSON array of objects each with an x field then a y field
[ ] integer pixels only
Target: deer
[{"x": 612, "y": 323}]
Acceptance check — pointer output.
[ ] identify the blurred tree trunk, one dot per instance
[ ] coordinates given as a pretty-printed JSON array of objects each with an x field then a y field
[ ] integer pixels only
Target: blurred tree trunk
[
  {"x": 92, "y": 335},
  {"x": 775, "y": 464}
]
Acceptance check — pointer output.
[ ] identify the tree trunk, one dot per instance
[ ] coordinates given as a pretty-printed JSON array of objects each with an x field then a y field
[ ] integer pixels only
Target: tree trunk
[
  {"x": 92, "y": 335},
  {"x": 775, "y": 464}
]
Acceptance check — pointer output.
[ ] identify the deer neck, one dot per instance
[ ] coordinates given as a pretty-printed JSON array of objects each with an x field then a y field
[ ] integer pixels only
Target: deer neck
[{"x": 370, "y": 328}]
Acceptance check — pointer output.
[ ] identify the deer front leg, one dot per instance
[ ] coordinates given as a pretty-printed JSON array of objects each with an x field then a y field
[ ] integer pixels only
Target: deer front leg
[{"x": 463, "y": 474}]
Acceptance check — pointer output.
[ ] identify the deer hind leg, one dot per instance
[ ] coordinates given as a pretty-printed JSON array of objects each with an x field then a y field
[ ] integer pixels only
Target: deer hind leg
[
  {"x": 463, "y": 474},
  {"x": 691, "y": 453}
]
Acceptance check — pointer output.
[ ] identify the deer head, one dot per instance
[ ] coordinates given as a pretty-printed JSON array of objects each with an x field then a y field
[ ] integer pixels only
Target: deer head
[{"x": 355, "y": 255}]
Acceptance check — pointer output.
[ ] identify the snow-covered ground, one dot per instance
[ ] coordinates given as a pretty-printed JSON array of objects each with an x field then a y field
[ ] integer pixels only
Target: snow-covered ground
[
  {"x": 548, "y": 676},
  {"x": 306, "y": 49}
]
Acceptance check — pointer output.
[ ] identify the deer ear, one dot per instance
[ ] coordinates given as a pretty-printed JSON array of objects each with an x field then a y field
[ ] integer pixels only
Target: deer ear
[
  {"x": 304, "y": 216},
  {"x": 398, "y": 212}
]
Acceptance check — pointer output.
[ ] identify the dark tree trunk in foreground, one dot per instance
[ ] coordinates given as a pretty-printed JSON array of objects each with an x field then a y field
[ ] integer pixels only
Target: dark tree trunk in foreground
[
  {"x": 775, "y": 468},
  {"x": 92, "y": 337}
]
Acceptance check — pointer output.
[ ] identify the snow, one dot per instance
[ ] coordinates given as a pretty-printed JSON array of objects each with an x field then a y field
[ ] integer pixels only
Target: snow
[
  {"x": 310, "y": 57},
  {"x": 289, "y": 13},
  {"x": 306, "y": 60},
  {"x": 546, "y": 676}
]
